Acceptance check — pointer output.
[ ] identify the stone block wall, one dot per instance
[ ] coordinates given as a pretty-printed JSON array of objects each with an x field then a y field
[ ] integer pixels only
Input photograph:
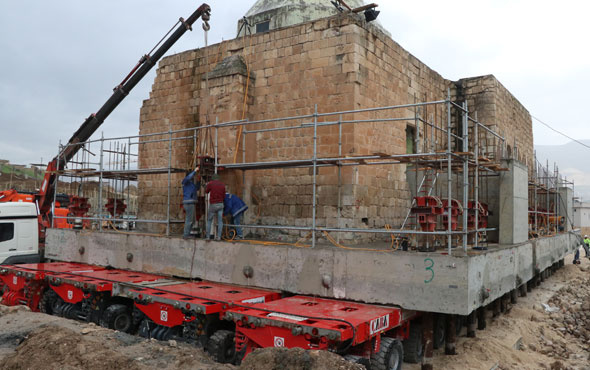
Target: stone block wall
[
  {"x": 339, "y": 64},
  {"x": 502, "y": 112}
]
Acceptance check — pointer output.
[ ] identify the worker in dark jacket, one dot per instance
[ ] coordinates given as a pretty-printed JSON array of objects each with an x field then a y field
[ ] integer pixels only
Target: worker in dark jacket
[
  {"x": 235, "y": 207},
  {"x": 216, "y": 191},
  {"x": 189, "y": 200}
]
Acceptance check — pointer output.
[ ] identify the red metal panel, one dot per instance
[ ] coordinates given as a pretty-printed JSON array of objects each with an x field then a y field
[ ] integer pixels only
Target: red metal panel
[
  {"x": 204, "y": 296},
  {"x": 333, "y": 319},
  {"x": 69, "y": 293},
  {"x": 164, "y": 314},
  {"x": 273, "y": 336}
]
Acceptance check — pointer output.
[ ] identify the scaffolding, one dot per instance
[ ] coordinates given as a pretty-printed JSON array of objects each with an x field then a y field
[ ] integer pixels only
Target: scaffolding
[
  {"x": 453, "y": 157},
  {"x": 548, "y": 209}
]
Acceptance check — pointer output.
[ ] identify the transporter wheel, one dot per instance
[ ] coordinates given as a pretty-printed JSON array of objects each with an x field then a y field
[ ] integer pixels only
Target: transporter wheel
[
  {"x": 50, "y": 302},
  {"x": 358, "y": 360},
  {"x": 117, "y": 317},
  {"x": 222, "y": 347},
  {"x": 413, "y": 347},
  {"x": 439, "y": 331},
  {"x": 390, "y": 355}
]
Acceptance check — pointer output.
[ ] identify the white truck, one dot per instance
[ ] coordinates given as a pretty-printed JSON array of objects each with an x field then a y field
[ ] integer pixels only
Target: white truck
[{"x": 19, "y": 233}]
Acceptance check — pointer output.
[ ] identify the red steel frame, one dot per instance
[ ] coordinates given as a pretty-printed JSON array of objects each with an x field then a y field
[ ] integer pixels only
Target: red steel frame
[
  {"x": 427, "y": 209},
  {"x": 456, "y": 210}
]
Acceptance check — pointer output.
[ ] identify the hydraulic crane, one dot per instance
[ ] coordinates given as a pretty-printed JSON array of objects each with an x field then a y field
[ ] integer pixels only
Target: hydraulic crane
[{"x": 45, "y": 196}]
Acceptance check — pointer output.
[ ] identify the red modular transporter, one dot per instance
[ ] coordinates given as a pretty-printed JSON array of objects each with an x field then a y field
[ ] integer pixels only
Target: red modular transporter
[{"x": 163, "y": 308}]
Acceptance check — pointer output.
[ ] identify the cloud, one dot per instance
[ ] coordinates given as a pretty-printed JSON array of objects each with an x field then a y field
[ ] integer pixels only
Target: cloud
[{"x": 61, "y": 59}]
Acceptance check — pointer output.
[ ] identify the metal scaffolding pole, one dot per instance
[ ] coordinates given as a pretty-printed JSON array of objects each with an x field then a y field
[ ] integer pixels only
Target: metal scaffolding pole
[
  {"x": 339, "y": 211},
  {"x": 465, "y": 172},
  {"x": 476, "y": 181},
  {"x": 101, "y": 169},
  {"x": 449, "y": 184},
  {"x": 169, "y": 176},
  {"x": 535, "y": 186},
  {"x": 244, "y": 161},
  {"x": 315, "y": 166}
]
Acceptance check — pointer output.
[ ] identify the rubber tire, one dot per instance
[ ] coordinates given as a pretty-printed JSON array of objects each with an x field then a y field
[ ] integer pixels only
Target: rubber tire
[
  {"x": 359, "y": 360},
  {"x": 117, "y": 317},
  {"x": 49, "y": 302},
  {"x": 439, "y": 331},
  {"x": 221, "y": 346},
  {"x": 413, "y": 346},
  {"x": 390, "y": 355}
]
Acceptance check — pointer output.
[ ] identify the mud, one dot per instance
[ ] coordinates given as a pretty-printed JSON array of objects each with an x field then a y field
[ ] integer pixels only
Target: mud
[{"x": 295, "y": 359}]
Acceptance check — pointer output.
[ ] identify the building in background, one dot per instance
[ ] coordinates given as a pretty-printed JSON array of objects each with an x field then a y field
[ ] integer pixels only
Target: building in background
[{"x": 582, "y": 216}]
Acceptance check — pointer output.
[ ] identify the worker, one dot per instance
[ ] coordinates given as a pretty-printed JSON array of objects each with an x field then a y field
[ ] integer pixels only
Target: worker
[
  {"x": 235, "y": 207},
  {"x": 216, "y": 191},
  {"x": 586, "y": 246},
  {"x": 189, "y": 200}
]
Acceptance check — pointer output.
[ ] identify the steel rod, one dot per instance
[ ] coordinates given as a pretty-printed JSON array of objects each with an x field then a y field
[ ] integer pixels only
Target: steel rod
[
  {"x": 315, "y": 168},
  {"x": 465, "y": 173},
  {"x": 169, "y": 177},
  {"x": 449, "y": 191},
  {"x": 476, "y": 181}
]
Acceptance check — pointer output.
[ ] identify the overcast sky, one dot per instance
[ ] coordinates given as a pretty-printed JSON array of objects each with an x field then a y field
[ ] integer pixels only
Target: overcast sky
[{"x": 59, "y": 60}]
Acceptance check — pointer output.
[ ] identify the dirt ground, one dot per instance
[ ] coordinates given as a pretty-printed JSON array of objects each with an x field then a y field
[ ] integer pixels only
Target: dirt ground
[
  {"x": 529, "y": 336},
  {"x": 35, "y": 341}
]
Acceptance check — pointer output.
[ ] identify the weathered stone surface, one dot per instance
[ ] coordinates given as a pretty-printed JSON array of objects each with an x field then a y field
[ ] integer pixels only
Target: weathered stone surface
[{"x": 338, "y": 63}]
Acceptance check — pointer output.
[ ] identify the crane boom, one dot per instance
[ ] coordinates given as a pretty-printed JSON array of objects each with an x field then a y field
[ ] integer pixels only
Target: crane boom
[{"x": 93, "y": 122}]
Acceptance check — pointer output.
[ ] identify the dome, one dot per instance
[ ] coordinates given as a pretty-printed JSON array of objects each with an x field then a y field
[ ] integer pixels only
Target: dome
[
  {"x": 266, "y": 15},
  {"x": 262, "y": 6}
]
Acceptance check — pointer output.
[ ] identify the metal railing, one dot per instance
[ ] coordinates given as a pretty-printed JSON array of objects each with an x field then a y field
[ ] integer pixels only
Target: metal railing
[{"x": 438, "y": 146}]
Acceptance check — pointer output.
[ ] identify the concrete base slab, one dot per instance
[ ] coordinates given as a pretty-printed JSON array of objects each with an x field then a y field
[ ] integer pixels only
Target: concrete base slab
[{"x": 433, "y": 282}]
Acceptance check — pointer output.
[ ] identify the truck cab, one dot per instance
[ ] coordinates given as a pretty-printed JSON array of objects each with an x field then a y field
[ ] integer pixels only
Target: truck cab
[{"x": 19, "y": 233}]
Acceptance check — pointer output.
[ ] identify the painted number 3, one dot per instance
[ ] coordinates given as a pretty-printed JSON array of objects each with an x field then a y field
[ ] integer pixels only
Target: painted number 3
[{"x": 428, "y": 264}]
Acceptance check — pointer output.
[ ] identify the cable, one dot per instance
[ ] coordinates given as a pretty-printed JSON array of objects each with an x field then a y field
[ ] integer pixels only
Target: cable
[{"x": 559, "y": 132}]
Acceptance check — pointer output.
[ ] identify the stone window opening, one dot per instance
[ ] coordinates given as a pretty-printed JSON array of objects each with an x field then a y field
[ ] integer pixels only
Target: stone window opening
[
  {"x": 410, "y": 139},
  {"x": 263, "y": 26}
]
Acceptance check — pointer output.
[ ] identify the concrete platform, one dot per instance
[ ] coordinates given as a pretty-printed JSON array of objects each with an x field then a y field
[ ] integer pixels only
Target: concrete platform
[{"x": 433, "y": 282}]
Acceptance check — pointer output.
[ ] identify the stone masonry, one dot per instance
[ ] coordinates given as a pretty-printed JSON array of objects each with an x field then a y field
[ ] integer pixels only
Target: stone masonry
[{"x": 338, "y": 63}]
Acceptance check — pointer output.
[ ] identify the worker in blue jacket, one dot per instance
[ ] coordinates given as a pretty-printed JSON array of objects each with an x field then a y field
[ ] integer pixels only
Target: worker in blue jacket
[
  {"x": 235, "y": 207},
  {"x": 189, "y": 200}
]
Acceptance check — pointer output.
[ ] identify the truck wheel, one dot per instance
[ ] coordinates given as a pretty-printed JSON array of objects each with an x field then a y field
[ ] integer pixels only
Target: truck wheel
[
  {"x": 439, "y": 331},
  {"x": 359, "y": 360},
  {"x": 49, "y": 302},
  {"x": 221, "y": 346},
  {"x": 389, "y": 356},
  {"x": 117, "y": 317},
  {"x": 413, "y": 348}
]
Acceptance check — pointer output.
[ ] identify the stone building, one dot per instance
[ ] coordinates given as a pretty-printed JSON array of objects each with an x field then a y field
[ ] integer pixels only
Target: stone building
[{"x": 339, "y": 63}]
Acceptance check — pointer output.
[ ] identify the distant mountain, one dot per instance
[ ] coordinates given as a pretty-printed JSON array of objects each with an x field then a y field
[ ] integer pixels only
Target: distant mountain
[{"x": 572, "y": 160}]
